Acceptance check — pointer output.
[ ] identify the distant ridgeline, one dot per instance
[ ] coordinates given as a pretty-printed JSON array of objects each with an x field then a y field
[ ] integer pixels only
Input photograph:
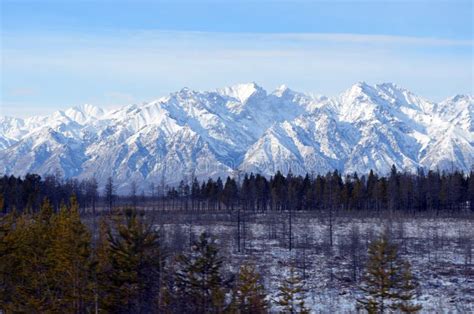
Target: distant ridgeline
[
  {"x": 404, "y": 191},
  {"x": 243, "y": 127}
]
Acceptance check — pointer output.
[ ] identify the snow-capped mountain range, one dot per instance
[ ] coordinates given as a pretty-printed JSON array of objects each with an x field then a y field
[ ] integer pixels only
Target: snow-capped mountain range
[{"x": 244, "y": 127}]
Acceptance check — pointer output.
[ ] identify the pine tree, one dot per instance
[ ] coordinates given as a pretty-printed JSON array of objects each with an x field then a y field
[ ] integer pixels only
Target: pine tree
[
  {"x": 30, "y": 269},
  {"x": 378, "y": 283},
  {"x": 357, "y": 195},
  {"x": 133, "y": 195},
  {"x": 135, "y": 257},
  {"x": 110, "y": 193},
  {"x": 230, "y": 193},
  {"x": 279, "y": 191},
  {"x": 249, "y": 293},
  {"x": 103, "y": 266},
  {"x": 167, "y": 301},
  {"x": 46, "y": 262},
  {"x": 70, "y": 257},
  {"x": 394, "y": 189},
  {"x": 199, "y": 280},
  {"x": 408, "y": 290},
  {"x": 470, "y": 190},
  {"x": 7, "y": 248},
  {"x": 388, "y": 283},
  {"x": 91, "y": 193},
  {"x": 292, "y": 293}
]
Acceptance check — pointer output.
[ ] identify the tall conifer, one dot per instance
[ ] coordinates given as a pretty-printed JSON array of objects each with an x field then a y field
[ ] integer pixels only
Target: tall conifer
[
  {"x": 292, "y": 294},
  {"x": 249, "y": 293},
  {"x": 388, "y": 283},
  {"x": 199, "y": 279},
  {"x": 135, "y": 257},
  {"x": 70, "y": 257}
]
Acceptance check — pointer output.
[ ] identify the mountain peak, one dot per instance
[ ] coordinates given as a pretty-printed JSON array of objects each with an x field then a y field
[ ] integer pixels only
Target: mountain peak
[
  {"x": 393, "y": 90},
  {"x": 243, "y": 91},
  {"x": 90, "y": 110},
  {"x": 282, "y": 90},
  {"x": 184, "y": 92},
  {"x": 389, "y": 85},
  {"x": 460, "y": 97},
  {"x": 83, "y": 113},
  {"x": 388, "y": 91},
  {"x": 359, "y": 90},
  {"x": 362, "y": 84}
]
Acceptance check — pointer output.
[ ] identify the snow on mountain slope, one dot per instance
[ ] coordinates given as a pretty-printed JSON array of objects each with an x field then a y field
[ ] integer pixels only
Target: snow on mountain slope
[
  {"x": 84, "y": 114},
  {"x": 311, "y": 142},
  {"x": 392, "y": 125},
  {"x": 242, "y": 93},
  {"x": 210, "y": 134},
  {"x": 44, "y": 151},
  {"x": 453, "y": 150},
  {"x": 458, "y": 110}
]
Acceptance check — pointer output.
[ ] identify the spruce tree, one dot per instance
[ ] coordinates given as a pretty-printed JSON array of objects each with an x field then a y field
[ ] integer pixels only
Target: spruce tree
[
  {"x": 167, "y": 301},
  {"x": 470, "y": 190},
  {"x": 388, "y": 283},
  {"x": 30, "y": 269},
  {"x": 110, "y": 193},
  {"x": 249, "y": 294},
  {"x": 135, "y": 256},
  {"x": 7, "y": 248},
  {"x": 103, "y": 267},
  {"x": 230, "y": 193},
  {"x": 292, "y": 293},
  {"x": 70, "y": 257},
  {"x": 199, "y": 280},
  {"x": 46, "y": 262},
  {"x": 408, "y": 290}
]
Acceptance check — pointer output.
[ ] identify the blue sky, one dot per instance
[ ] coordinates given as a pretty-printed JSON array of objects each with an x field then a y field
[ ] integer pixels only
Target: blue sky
[{"x": 56, "y": 54}]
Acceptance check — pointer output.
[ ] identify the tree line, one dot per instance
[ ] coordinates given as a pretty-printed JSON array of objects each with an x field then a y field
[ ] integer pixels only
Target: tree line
[
  {"x": 403, "y": 191},
  {"x": 50, "y": 262}
]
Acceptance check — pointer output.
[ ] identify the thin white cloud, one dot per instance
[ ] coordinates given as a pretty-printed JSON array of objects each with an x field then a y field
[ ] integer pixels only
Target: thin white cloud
[
  {"x": 146, "y": 64},
  {"x": 162, "y": 39},
  {"x": 380, "y": 39}
]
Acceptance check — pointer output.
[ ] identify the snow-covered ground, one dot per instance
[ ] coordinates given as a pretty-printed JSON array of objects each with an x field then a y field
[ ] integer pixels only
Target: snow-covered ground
[{"x": 439, "y": 249}]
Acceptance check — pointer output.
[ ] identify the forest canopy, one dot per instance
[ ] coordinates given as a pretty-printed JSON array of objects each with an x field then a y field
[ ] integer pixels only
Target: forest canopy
[{"x": 403, "y": 191}]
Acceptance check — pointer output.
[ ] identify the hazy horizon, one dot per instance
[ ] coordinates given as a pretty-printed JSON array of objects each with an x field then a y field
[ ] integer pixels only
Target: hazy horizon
[{"x": 57, "y": 55}]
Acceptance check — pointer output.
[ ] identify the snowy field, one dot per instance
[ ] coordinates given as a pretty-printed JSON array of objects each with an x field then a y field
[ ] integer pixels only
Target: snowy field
[{"x": 439, "y": 249}]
